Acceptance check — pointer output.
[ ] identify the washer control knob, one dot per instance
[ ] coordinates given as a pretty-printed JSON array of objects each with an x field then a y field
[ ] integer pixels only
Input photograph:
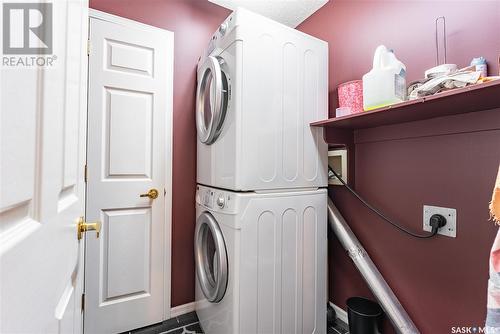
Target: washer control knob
[
  {"x": 223, "y": 28},
  {"x": 221, "y": 201}
]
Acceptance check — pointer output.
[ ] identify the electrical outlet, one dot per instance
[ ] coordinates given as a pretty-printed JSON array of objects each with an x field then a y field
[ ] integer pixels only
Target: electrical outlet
[
  {"x": 337, "y": 159},
  {"x": 450, "y": 229}
]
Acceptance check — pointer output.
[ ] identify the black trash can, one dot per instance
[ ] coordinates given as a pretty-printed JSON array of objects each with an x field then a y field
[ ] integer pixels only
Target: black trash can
[{"x": 364, "y": 316}]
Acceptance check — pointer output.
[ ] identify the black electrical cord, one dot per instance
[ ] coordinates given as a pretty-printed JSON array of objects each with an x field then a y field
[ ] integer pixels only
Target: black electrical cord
[{"x": 435, "y": 228}]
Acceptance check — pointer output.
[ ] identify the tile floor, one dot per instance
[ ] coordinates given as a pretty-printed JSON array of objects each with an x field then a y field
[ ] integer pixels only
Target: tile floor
[
  {"x": 339, "y": 328},
  {"x": 183, "y": 324},
  {"x": 189, "y": 324}
]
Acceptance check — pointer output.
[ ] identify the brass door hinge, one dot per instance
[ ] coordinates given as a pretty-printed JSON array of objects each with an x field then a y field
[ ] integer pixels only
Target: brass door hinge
[
  {"x": 83, "y": 302},
  {"x": 85, "y": 173}
]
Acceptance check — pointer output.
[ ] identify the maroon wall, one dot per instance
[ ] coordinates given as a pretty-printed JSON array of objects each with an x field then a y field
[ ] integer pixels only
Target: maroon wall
[
  {"x": 192, "y": 22},
  {"x": 448, "y": 162}
]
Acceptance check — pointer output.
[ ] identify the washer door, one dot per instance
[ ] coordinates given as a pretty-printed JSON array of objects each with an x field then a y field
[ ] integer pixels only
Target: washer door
[
  {"x": 211, "y": 258},
  {"x": 212, "y": 95}
]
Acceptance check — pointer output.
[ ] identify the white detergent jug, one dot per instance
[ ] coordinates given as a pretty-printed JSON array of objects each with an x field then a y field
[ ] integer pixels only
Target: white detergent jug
[{"x": 385, "y": 84}]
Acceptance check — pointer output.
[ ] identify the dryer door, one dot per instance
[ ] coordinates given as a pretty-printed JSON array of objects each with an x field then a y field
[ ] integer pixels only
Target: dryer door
[
  {"x": 211, "y": 258},
  {"x": 212, "y": 97}
]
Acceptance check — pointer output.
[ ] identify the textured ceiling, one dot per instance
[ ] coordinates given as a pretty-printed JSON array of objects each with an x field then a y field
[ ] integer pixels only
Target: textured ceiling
[{"x": 289, "y": 12}]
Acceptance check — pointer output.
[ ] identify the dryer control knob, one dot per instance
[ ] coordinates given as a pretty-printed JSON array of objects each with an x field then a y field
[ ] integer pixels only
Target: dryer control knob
[{"x": 221, "y": 201}]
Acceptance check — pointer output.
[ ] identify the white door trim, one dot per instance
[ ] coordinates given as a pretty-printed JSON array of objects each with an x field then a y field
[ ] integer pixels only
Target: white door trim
[
  {"x": 168, "y": 145},
  {"x": 97, "y": 14}
]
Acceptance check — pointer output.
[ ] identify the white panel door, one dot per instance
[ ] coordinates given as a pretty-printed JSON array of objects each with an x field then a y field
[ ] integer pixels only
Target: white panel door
[
  {"x": 42, "y": 158},
  {"x": 129, "y": 145}
]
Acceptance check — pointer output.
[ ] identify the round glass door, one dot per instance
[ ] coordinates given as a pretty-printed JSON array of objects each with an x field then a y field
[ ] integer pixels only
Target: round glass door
[
  {"x": 211, "y": 100},
  {"x": 210, "y": 258}
]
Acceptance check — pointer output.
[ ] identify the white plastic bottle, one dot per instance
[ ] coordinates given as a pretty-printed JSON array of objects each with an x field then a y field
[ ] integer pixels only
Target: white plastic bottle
[{"x": 385, "y": 84}]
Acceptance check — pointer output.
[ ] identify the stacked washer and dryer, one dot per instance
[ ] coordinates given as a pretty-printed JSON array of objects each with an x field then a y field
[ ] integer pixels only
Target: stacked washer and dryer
[{"x": 261, "y": 229}]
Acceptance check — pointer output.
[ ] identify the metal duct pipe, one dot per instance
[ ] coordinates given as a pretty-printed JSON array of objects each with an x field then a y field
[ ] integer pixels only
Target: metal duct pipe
[{"x": 389, "y": 302}]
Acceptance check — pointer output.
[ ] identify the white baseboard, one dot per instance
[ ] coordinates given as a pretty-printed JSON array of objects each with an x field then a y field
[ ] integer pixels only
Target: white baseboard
[
  {"x": 341, "y": 314},
  {"x": 181, "y": 309}
]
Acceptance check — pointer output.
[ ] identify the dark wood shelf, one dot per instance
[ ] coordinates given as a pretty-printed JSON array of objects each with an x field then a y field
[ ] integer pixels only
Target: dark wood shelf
[{"x": 473, "y": 98}]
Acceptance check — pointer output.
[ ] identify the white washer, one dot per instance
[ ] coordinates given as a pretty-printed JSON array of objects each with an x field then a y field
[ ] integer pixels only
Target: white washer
[
  {"x": 260, "y": 84},
  {"x": 261, "y": 261}
]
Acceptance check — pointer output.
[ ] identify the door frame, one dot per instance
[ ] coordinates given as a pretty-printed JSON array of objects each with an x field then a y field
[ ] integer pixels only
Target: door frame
[{"x": 167, "y": 253}]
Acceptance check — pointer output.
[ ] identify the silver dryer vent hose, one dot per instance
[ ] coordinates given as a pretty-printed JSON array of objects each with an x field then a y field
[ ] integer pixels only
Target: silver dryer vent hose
[{"x": 387, "y": 299}]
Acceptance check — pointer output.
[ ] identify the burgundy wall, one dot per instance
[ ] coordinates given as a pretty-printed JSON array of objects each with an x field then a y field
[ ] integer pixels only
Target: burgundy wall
[
  {"x": 193, "y": 22},
  {"x": 448, "y": 162}
]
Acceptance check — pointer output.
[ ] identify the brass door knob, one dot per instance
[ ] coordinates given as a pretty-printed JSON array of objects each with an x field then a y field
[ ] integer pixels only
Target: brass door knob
[
  {"x": 83, "y": 227},
  {"x": 152, "y": 193}
]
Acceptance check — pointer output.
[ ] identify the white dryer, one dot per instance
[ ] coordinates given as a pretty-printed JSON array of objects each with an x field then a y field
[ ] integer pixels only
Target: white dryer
[
  {"x": 260, "y": 84},
  {"x": 261, "y": 261}
]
